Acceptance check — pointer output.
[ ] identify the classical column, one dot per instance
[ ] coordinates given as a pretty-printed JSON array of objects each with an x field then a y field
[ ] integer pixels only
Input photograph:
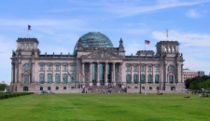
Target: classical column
[
  {"x": 166, "y": 73},
  {"x": 18, "y": 71},
  {"x": 132, "y": 80},
  {"x": 98, "y": 74},
  {"x": 146, "y": 73},
  {"x": 83, "y": 73},
  {"x": 113, "y": 72},
  {"x": 120, "y": 73},
  {"x": 45, "y": 72},
  {"x": 153, "y": 73},
  {"x": 161, "y": 80},
  {"x": 12, "y": 72},
  {"x": 61, "y": 73},
  {"x": 106, "y": 73},
  {"x": 139, "y": 73},
  {"x": 90, "y": 74},
  {"x": 181, "y": 73}
]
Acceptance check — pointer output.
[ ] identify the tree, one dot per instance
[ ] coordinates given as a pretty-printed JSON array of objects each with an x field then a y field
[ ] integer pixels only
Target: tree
[
  {"x": 3, "y": 87},
  {"x": 198, "y": 83}
]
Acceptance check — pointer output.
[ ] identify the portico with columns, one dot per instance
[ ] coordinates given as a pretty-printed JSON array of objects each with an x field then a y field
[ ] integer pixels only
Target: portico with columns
[{"x": 101, "y": 72}]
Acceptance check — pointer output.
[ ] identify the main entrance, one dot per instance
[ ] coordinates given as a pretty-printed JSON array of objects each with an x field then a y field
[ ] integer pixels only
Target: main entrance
[{"x": 101, "y": 73}]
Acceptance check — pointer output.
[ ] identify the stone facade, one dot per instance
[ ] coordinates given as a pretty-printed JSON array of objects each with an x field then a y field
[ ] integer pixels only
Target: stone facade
[{"x": 97, "y": 66}]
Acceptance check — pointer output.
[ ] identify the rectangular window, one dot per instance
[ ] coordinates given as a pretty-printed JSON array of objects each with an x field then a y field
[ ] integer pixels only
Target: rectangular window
[
  {"x": 128, "y": 78},
  {"x": 57, "y": 68},
  {"x": 42, "y": 67},
  {"x": 65, "y": 78},
  {"x": 143, "y": 79},
  {"x": 143, "y": 68},
  {"x": 129, "y": 68},
  {"x": 65, "y": 68},
  {"x": 50, "y": 67},
  {"x": 136, "y": 78},
  {"x": 150, "y": 78},
  {"x": 49, "y": 78},
  {"x": 150, "y": 68},
  {"x": 26, "y": 79},
  {"x": 157, "y": 78},
  {"x": 57, "y": 78},
  {"x": 136, "y": 68},
  {"x": 41, "y": 78},
  {"x": 157, "y": 68}
]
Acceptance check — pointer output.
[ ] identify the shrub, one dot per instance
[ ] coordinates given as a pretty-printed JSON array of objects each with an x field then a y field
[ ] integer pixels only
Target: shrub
[{"x": 9, "y": 95}]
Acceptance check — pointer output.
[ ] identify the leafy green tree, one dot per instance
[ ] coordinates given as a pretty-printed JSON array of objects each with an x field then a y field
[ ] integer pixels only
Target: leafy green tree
[
  {"x": 3, "y": 87},
  {"x": 198, "y": 83}
]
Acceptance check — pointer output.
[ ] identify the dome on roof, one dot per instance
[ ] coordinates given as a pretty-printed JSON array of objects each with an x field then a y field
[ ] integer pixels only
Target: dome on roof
[{"x": 93, "y": 40}]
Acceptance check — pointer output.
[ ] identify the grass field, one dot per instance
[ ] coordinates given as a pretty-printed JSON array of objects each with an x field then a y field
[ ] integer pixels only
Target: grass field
[{"x": 115, "y": 107}]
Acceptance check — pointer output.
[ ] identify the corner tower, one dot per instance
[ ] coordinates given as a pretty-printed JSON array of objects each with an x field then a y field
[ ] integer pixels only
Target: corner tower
[{"x": 27, "y": 47}]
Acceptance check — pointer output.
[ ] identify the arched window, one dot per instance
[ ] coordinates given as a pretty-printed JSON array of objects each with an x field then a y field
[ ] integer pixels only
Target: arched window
[
  {"x": 164, "y": 49},
  {"x": 171, "y": 68},
  {"x": 143, "y": 79},
  {"x": 169, "y": 49},
  {"x": 136, "y": 78},
  {"x": 150, "y": 79},
  {"x": 128, "y": 78},
  {"x": 57, "y": 78},
  {"x": 171, "y": 79},
  {"x": 157, "y": 78},
  {"x": 41, "y": 78}
]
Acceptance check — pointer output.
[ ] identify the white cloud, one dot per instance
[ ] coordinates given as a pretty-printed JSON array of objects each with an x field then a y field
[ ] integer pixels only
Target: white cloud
[
  {"x": 188, "y": 39},
  {"x": 133, "y": 9},
  {"x": 193, "y": 14}
]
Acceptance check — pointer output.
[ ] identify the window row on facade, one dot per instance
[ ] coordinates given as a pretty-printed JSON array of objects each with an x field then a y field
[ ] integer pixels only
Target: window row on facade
[
  {"x": 55, "y": 78},
  {"x": 142, "y": 68},
  {"x": 57, "y": 67},
  {"x": 150, "y": 67},
  {"x": 136, "y": 78}
]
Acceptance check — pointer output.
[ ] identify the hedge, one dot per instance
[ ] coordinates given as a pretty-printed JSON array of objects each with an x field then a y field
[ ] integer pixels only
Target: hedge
[{"x": 9, "y": 95}]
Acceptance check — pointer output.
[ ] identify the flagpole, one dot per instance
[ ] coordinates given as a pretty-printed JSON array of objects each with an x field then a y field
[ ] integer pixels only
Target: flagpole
[
  {"x": 166, "y": 33},
  {"x": 29, "y": 29}
]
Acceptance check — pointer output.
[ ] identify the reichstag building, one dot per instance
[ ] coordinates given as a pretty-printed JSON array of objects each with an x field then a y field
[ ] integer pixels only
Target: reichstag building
[{"x": 97, "y": 66}]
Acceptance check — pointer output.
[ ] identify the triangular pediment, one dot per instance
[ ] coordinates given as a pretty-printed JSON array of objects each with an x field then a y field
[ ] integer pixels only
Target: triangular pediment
[{"x": 102, "y": 55}]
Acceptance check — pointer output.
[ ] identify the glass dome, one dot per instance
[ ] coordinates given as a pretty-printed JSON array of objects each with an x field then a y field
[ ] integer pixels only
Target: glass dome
[{"x": 93, "y": 40}]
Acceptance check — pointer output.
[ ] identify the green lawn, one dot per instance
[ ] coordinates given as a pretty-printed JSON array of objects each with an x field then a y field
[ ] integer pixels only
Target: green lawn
[{"x": 115, "y": 107}]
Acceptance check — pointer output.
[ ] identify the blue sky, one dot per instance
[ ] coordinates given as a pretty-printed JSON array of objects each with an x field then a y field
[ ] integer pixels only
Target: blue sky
[{"x": 59, "y": 23}]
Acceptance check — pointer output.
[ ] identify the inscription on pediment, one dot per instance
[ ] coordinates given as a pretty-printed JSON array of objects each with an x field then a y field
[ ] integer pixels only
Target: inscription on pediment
[{"x": 102, "y": 55}]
